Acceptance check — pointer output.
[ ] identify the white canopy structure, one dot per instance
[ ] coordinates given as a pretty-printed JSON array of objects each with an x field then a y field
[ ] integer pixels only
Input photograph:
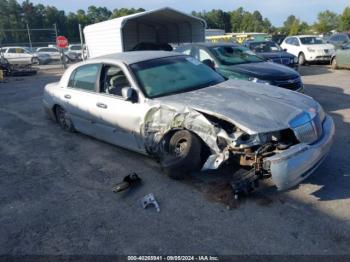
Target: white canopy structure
[{"x": 164, "y": 25}]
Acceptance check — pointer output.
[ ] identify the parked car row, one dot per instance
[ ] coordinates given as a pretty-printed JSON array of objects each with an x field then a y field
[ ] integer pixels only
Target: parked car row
[{"x": 18, "y": 55}]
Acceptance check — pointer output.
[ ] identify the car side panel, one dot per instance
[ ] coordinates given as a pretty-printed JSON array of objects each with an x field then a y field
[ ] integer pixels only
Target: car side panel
[
  {"x": 343, "y": 58},
  {"x": 121, "y": 121}
]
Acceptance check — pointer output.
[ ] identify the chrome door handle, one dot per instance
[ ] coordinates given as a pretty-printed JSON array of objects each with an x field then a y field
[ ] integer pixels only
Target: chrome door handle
[
  {"x": 67, "y": 96},
  {"x": 101, "y": 105}
]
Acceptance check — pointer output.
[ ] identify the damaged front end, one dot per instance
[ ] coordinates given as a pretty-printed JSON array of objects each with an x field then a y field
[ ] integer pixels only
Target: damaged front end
[{"x": 277, "y": 154}]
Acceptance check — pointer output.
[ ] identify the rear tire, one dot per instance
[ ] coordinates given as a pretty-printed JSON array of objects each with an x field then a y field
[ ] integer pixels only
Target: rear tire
[
  {"x": 66, "y": 59},
  {"x": 63, "y": 119},
  {"x": 301, "y": 59},
  {"x": 334, "y": 64},
  {"x": 183, "y": 156},
  {"x": 35, "y": 61}
]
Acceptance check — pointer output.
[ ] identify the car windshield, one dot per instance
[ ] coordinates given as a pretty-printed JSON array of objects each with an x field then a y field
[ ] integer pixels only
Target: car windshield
[
  {"x": 232, "y": 55},
  {"x": 75, "y": 47},
  {"x": 311, "y": 40},
  {"x": 265, "y": 47},
  {"x": 171, "y": 75}
]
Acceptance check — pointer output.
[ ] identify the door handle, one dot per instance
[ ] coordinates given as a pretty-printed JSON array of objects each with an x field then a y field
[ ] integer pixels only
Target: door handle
[
  {"x": 67, "y": 96},
  {"x": 101, "y": 105}
]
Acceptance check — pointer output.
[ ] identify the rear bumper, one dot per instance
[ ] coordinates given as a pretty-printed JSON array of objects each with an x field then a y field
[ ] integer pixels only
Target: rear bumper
[{"x": 295, "y": 164}]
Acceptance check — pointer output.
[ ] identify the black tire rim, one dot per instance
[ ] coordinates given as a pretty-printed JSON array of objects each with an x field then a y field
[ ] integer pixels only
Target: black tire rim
[
  {"x": 180, "y": 147},
  {"x": 62, "y": 119}
]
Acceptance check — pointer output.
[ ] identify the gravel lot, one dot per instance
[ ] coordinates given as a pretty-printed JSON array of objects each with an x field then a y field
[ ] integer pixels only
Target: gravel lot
[{"x": 56, "y": 198}]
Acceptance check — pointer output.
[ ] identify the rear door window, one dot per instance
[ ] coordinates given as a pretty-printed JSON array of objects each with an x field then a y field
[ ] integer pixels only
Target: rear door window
[
  {"x": 85, "y": 77},
  {"x": 342, "y": 38}
]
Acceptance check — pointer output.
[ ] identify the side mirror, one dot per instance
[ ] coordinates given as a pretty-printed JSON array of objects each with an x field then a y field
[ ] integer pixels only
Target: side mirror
[
  {"x": 285, "y": 50},
  {"x": 128, "y": 93},
  {"x": 209, "y": 63}
]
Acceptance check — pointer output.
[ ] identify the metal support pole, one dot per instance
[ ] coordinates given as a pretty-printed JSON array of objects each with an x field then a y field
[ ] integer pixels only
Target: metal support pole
[
  {"x": 55, "y": 27},
  {"x": 30, "y": 41}
]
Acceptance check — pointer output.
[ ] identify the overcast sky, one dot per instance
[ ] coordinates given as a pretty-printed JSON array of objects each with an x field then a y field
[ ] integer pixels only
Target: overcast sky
[{"x": 275, "y": 10}]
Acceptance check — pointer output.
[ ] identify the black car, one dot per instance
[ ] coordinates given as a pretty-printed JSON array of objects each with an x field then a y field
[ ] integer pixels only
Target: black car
[
  {"x": 339, "y": 40},
  {"x": 238, "y": 62},
  {"x": 273, "y": 52}
]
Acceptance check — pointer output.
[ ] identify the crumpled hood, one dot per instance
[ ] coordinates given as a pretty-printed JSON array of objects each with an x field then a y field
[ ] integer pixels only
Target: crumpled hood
[
  {"x": 255, "y": 108},
  {"x": 265, "y": 70}
]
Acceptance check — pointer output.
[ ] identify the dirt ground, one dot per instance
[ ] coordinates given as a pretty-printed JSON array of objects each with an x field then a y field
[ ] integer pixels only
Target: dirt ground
[{"x": 56, "y": 191}]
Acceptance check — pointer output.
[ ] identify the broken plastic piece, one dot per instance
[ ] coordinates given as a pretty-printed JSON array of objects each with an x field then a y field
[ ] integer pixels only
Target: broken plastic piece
[
  {"x": 150, "y": 200},
  {"x": 128, "y": 181}
]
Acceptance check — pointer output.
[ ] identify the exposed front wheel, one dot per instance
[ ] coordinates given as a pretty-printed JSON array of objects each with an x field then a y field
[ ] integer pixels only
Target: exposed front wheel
[
  {"x": 301, "y": 59},
  {"x": 63, "y": 119},
  {"x": 183, "y": 155}
]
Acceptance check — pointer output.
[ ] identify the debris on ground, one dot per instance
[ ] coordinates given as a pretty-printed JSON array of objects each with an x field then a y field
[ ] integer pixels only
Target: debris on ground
[
  {"x": 244, "y": 183},
  {"x": 221, "y": 193},
  {"x": 128, "y": 181},
  {"x": 150, "y": 200}
]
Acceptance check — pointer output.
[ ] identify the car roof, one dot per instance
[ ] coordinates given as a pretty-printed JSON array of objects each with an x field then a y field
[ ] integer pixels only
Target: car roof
[
  {"x": 262, "y": 41},
  {"x": 15, "y": 47},
  {"x": 46, "y": 47},
  {"x": 305, "y": 36},
  {"x": 210, "y": 44},
  {"x": 137, "y": 56}
]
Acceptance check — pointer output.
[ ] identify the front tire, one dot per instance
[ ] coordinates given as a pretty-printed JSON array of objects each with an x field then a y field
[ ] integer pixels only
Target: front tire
[
  {"x": 183, "y": 155},
  {"x": 35, "y": 61},
  {"x": 63, "y": 119},
  {"x": 334, "y": 64},
  {"x": 66, "y": 59},
  {"x": 301, "y": 59}
]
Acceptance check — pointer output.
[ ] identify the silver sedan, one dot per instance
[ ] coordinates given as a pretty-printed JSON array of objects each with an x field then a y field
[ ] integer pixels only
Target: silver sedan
[{"x": 182, "y": 112}]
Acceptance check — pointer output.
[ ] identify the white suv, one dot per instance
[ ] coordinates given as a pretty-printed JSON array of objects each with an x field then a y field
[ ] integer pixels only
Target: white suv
[{"x": 308, "y": 48}]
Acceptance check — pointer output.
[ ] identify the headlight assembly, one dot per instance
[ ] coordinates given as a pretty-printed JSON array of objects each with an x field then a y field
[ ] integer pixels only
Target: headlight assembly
[
  {"x": 296, "y": 60},
  {"x": 311, "y": 50}
]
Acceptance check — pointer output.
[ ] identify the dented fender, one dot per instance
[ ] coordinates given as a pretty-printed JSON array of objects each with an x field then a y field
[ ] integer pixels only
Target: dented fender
[{"x": 160, "y": 120}]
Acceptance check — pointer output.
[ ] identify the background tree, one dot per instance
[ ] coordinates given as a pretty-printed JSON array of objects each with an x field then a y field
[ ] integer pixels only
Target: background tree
[
  {"x": 326, "y": 22},
  {"x": 293, "y": 26},
  {"x": 15, "y": 15},
  {"x": 344, "y": 21},
  {"x": 125, "y": 11}
]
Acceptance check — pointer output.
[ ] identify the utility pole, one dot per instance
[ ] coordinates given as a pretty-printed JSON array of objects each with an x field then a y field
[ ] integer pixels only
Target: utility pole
[
  {"x": 56, "y": 33},
  {"x": 30, "y": 40}
]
